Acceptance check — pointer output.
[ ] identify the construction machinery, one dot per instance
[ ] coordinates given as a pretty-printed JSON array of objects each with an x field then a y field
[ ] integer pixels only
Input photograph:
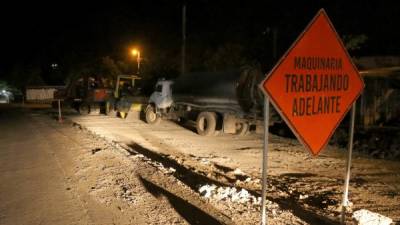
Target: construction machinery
[
  {"x": 96, "y": 94},
  {"x": 228, "y": 101}
]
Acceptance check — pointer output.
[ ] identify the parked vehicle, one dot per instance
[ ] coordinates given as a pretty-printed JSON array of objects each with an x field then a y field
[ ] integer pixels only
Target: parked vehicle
[
  {"x": 95, "y": 94},
  {"x": 127, "y": 99},
  {"x": 42, "y": 94},
  {"x": 4, "y": 98},
  {"x": 227, "y": 101}
]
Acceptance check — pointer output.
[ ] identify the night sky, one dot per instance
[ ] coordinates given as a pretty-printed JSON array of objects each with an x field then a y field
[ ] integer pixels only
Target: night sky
[{"x": 45, "y": 33}]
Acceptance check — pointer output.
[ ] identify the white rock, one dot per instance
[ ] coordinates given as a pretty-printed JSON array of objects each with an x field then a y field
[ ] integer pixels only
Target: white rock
[
  {"x": 237, "y": 171},
  {"x": 273, "y": 212},
  {"x": 207, "y": 190},
  {"x": 366, "y": 217},
  {"x": 301, "y": 197},
  {"x": 204, "y": 161},
  {"x": 244, "y": 196},
  {"x": 228, "y": 194}
]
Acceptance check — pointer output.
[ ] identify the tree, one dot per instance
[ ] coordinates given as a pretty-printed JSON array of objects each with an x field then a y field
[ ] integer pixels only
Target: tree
[
  {"x": 354, "y": 42},
  {"x": 109, "y": 68},
  {"x": 22, "y": 75},
  {"x": 226, "y": 56}
]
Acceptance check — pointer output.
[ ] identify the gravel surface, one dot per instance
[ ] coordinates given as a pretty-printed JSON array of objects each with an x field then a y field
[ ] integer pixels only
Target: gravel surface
[
  {"x": 105, "y": 170},
  {"x": 309, "y": 187}
]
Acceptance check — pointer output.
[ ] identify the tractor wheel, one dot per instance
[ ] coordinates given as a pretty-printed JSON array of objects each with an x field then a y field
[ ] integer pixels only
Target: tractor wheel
[
  {"x": 94, "y": 109},
  {"x": 122, "y": 114},
  {"x": 108, "y": 108},
  {"x": 84, "y": 109}
]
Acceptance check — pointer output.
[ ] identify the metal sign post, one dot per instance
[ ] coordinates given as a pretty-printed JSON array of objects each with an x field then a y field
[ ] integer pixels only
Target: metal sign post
[
  {"x": 345, "y": 201},
  {"x": 265, "y": 162},
  {"x": 313, "y": 87},
  {"x": 59, "y": 111},
  {"x": 314, "y": 84}
]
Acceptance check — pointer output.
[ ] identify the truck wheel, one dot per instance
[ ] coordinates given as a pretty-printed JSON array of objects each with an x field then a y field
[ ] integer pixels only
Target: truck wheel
[
  {"x": 151, "y": 116},
  {"x": 206, "y": 123},
  {"x": 84, "y": 109},
  {"x": 94, "y": 109},
  {"x": 122, "y": 114},
  {"x": 109, "y": 109},
  {"x": 242, "y": 128}
]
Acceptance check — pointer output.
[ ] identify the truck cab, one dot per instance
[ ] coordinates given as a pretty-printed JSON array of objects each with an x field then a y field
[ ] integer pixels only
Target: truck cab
[
  {"x": 162, "y": 95},
  {"x": 160, "y": 101}
]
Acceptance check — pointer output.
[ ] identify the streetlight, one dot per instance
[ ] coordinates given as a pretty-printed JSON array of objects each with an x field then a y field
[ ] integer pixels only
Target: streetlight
[{"x": 136, "y": 52}]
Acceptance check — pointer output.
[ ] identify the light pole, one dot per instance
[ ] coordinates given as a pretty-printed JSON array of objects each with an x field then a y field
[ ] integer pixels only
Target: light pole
[{"x": 136, "y": 52}]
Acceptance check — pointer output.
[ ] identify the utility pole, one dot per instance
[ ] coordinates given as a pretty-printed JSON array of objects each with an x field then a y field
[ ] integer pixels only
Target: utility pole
[
  {"x": 275, "y": 43},
  {"x": 183, "y": 39}
]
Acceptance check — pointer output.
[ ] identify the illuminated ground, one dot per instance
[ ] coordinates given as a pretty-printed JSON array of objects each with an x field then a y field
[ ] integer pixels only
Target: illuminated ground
[
  {"x": 104, "y": 170},
  {"x": 57, "y": 174},
  {"x": 294, "y": 173}
]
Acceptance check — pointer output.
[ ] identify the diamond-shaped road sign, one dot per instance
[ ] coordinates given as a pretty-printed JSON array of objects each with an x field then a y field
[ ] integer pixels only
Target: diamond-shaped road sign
[{"x": 314, "y": 84}]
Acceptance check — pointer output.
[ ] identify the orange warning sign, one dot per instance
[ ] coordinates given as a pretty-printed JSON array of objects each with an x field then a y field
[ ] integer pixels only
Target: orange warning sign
[{"x": 314, "y": 84}]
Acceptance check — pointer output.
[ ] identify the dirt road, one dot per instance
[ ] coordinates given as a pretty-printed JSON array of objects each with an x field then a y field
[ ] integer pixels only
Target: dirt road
[
  {"x": 58, "y": 174},
  {"x": 61, "y": 173},
  {"x": 310, "y": 187},
  {"x": 104, "y": 170}
]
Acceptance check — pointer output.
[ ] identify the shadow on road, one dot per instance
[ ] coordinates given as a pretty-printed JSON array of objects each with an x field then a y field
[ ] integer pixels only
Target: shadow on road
[
  {"x": 193, "y": 179},
  {"x": 189, "y": 212},
  {"x": 184, "y": 174}
]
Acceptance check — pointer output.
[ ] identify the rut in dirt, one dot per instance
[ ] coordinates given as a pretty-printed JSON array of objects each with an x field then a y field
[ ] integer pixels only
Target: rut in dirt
[{"x": 195, "y": 179}]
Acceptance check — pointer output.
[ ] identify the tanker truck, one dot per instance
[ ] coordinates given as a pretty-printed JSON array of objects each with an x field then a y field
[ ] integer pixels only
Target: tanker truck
[{"x": 228, "y": 102}]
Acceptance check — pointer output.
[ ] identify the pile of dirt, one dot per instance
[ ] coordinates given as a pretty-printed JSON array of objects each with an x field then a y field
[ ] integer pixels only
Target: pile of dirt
[
  {"x": 379, "y": 142},
  {"x": 382, "y": 143}
]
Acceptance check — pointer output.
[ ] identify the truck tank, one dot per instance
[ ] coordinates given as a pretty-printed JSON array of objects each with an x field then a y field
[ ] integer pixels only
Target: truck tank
[{"x": 235, "y": 89}]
